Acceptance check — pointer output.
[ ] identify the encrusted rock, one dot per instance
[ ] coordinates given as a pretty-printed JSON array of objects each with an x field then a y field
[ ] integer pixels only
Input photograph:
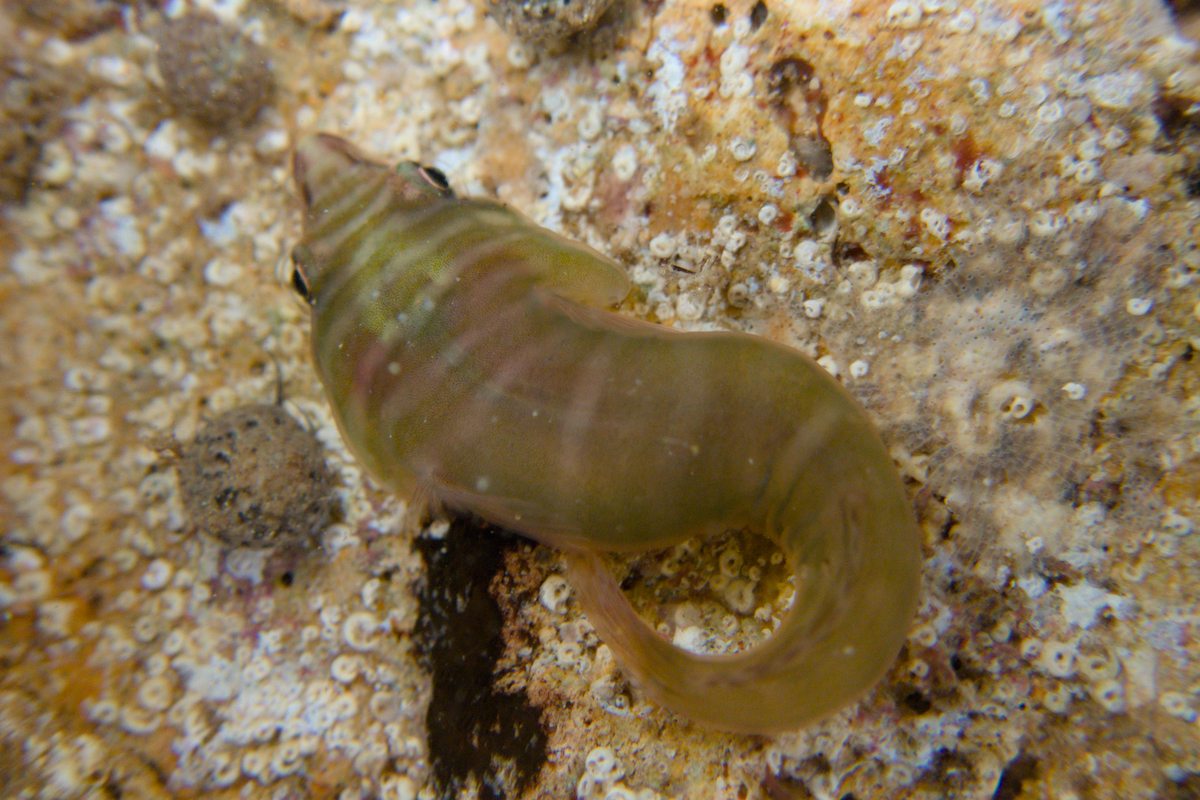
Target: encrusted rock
[
  {"x": 18, "y": 156},
  {"x": 320, "y": 14},
  {"x": 32, "y": 96},
  {"x": 254, "y": 478},
  {"x": 546, "y": 22},
  {"x": 72, "y": 19},
  {"x": 212, "y": 72}
]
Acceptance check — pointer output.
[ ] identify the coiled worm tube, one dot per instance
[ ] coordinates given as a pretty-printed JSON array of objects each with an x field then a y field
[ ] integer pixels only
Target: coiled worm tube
[{"x": 466, "y": 353}]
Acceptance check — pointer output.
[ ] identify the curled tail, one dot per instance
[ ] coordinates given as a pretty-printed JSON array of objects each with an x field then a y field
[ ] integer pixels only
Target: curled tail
[{"x": 854, "y": 566}]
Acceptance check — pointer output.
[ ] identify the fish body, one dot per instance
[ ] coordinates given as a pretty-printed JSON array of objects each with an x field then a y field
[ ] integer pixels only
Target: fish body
[{"x": 467, "y": 353}]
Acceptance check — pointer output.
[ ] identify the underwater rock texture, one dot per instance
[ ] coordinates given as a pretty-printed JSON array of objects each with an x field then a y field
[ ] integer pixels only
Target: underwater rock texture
[
  {"x": 546, "y": 22},
  {"x": 981, "y": 215},
  {"x": 211, "y": 71}
]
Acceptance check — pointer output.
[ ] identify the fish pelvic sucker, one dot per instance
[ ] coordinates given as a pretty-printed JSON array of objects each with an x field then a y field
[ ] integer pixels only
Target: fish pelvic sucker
[{"x": 468, "y": 353}]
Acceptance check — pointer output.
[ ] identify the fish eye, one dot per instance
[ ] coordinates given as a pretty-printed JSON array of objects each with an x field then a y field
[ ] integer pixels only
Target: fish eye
[
  {"x": 300, "y": 254},
  {"x": 301, "y": 285},
  {"x": 436, "y": 177}
]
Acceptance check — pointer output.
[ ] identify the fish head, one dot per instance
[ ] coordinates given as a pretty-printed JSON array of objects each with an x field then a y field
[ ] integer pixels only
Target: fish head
[
  {"x": 340, "y": 188},
  {"x": 324, "y": 166}
]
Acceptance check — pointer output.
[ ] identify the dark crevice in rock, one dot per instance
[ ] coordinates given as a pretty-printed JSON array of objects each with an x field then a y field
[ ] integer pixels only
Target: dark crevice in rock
[
  {"x": 477, "y": 734},
  {"x": 798, "y": 96},
  {"x": 1021, "y": 769}
]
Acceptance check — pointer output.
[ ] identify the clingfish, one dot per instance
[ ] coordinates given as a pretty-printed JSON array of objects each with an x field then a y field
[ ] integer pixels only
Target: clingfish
[{"x": 469, "y": 356}]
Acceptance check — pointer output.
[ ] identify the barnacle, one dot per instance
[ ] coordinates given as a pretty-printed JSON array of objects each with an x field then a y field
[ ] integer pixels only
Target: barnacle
[{"x": 466, "y": 355}]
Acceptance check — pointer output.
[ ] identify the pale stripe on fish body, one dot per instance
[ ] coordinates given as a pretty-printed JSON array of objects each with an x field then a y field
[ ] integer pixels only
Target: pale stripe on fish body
[{"x": 467, "y": 353}]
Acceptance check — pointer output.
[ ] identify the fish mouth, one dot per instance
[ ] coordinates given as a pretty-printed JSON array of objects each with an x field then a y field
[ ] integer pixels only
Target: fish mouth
[
  {"x": 316, "y": 158},
  {"x": 300, "y": 168}
]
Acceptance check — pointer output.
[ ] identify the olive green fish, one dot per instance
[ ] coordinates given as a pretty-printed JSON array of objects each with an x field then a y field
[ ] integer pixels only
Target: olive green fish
[{"x": 467, "y": 354}]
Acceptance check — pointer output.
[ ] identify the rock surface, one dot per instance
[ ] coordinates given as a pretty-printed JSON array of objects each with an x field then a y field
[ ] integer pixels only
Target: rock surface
[{"x": 982, "y": 216}]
